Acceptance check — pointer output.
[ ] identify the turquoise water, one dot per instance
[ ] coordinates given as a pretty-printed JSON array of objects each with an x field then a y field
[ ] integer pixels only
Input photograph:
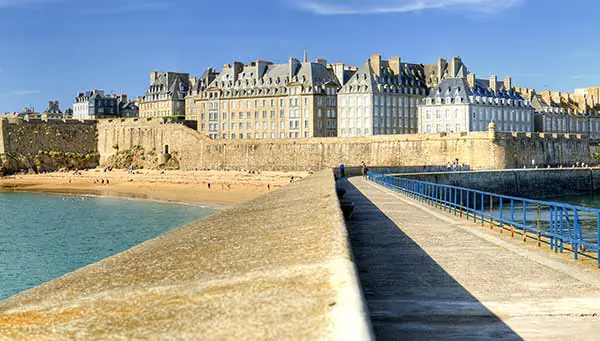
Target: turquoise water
[{"x": 45, "y": 236}]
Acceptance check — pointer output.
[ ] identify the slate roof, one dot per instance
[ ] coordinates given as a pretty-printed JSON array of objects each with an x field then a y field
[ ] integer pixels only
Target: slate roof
[
  {"x": 459, "y": 87},
  {"x": 365, "y": 79}
]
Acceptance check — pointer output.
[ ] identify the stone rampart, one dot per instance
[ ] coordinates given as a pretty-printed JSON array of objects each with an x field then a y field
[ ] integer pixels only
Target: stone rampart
[
  {"x": 47, "y": 144},
  {"x": 527, "y": 183},
  {"x": 479, "y": 150},
  {"x": 276, "y": 268}
]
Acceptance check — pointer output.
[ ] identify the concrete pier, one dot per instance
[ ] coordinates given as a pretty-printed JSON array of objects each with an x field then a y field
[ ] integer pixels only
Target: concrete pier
[{"x": 429, "y": 275}]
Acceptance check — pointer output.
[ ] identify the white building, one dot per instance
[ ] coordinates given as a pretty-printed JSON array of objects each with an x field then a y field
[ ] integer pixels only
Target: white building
[
  {"x": 381, "y": 98},
  {"x": 470, "y": 104}
]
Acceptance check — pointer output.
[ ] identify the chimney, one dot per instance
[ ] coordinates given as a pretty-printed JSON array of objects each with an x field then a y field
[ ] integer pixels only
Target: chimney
[
  {"x": 153, "y": 76},
  {"x": 293, "y": 64},
  {"x": 471, "y": 79},
  {"x": 493, "y": 82},
  {"x": 238, "y": 67},
  {"x": 454, "y": 66},
  {"x": 507, "y": 83},
  {"x": 395, "y": 65},
  {"x": 322, "y": 61},
  {"x": 261, "y": 66},
  {"x": 375, "y": 62},
  {"x": 440, "y": 68},
  {"x": 338, "y": 70},
  {"x": 305, "y": 56}
]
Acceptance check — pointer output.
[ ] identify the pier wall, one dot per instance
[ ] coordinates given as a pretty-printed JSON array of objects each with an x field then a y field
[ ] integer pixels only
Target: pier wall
[
  {"x": 528, "y": 183},
  {"x": 281, "y": 269},
  {"x": 479, "y": 150},
  {"x": 45, "y": 145}
]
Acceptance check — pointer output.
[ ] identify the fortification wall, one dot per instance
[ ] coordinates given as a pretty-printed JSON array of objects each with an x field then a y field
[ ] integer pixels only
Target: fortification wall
[
  {"x": 529, "y": 183},
  {"x": 47, "y": 145},
  {"x": 478, "y": 149}
]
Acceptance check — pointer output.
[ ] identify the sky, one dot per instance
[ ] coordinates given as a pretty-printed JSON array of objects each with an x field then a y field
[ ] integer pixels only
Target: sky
[{"x": 54, "y": 49}]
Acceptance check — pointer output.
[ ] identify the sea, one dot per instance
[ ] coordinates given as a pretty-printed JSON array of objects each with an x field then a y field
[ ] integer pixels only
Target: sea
[{"x": 43, "y": 237}]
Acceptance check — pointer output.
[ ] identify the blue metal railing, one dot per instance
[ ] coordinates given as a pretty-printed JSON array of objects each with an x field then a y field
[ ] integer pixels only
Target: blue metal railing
[{"x": 561, "y": 226}]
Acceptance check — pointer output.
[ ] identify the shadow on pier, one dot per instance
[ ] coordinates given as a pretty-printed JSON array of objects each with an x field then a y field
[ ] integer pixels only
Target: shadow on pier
[{"x": 410, "y": 296}]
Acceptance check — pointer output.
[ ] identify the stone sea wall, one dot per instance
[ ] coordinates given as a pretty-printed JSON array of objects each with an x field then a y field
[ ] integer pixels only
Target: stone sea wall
[
  {"x": 281, "y": 270},
  {"x": 47, "y": 145},
  {"x": 528, "y": 183},
  {"x": 479, "y": 150}
]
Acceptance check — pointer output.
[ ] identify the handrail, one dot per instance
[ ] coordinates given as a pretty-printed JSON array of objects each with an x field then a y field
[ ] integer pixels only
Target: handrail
[{"x": 556, "y": 224}]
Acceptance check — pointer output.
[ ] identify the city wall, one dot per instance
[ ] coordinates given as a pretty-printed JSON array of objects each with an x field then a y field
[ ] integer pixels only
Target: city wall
[
  {"x": 47, "y": 145},
  {"x": 530, "y": 183},
  {"x": 479, "y": 150}
]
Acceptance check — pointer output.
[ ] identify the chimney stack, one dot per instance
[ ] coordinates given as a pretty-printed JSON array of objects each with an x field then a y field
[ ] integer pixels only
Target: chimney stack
[
  {"x": 395, "y": 65},
  {"x": 293, "y": 64},
  {"x": 493, "y": 82},
  {"x": 471, "y": 79},
  {"x": 375, "y": 62},
  {"x": 507, "y": 83},
  {"x": 440, "y": 69}
]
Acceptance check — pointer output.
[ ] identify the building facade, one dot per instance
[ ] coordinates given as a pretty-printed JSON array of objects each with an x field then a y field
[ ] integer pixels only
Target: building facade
[
  {"x": 94, "y": 104},
  {"x": 166, "y": 94},
  {"x": 562, "y": 112},
  {"x": 381, "y": 98},
  {"x": 470, "y": 104},
  {"x": 263, "y": 100}
]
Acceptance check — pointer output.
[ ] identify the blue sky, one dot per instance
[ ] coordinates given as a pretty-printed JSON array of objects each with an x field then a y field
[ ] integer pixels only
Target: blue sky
[{"x": 52, "y": 49}]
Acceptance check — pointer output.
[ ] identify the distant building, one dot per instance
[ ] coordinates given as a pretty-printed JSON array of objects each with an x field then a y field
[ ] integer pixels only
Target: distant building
[
  {"x": 563, "y": 112},
  {"x": 381, "y": 98},
  {"x": 470, "y": 104},
  {"x": 94, "y": 104},
  {"x": 126, "y": 107},
  {"x": 166, "y": 94},
  {"x": 262, "y": 100}
]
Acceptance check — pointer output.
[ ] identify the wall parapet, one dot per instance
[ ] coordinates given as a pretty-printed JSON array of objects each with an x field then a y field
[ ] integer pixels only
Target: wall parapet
[{"x": 201, "y": 281}]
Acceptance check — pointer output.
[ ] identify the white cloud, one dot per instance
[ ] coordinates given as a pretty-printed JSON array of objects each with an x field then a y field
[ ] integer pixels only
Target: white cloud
[
  {"x": 341, "y": 7},
  {"x": 24, "y": 3},
  {"x": 20, "y": 93}
]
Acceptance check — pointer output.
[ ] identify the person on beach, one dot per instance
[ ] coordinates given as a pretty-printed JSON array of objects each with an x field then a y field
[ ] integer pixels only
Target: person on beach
[{"x": 342, "y": 170}]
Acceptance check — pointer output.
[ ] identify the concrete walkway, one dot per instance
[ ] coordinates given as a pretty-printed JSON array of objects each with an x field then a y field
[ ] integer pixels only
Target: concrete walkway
[{"x": 428, "y": 275}]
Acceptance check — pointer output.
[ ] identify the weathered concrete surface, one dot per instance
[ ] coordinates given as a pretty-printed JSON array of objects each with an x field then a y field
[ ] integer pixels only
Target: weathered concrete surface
[
  {"x": 528, "y": 183},
  {"x": 427, "y": 275},
  {"x": 278, "y": 268}
]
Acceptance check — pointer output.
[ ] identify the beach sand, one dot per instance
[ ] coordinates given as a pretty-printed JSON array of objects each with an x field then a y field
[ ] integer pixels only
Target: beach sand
[{"x": 227, "y": 188}]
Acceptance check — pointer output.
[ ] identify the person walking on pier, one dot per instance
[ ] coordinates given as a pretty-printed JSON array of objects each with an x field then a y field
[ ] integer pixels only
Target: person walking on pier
[
  {"x": 342, "y": 170},
  {"x": 364, "y": 170}
]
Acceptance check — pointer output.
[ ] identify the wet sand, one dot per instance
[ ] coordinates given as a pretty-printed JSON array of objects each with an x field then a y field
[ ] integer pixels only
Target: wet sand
[{"x": 211, "y": 188}]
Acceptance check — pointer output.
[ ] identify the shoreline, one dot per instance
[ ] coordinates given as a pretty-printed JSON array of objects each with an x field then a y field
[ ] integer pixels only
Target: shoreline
[{"x": 212, "y": 189}]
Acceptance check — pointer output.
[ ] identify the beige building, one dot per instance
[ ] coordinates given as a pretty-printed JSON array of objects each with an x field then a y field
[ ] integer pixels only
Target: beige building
[
  {"x": 563, "y": 112},
  {"x": 166, "y": 94},
  {"x": 262, "y": 100}
]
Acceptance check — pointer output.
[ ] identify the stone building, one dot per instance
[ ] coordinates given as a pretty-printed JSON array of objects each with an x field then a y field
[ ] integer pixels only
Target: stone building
[
  {"x": 382, "y": 96},
  {"x": 562, "y": 112},
  {"x": 94, "y": 104},
  {"x": 166, "y": 94},
  {"x": 464, "y": 104},
  {"x": 263, "y": 100},
  {"x": 126, "y": 107}
]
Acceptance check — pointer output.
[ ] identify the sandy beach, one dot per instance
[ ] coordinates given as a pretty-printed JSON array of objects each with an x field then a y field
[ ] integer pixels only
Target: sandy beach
[{"x": 211, "y": 188}]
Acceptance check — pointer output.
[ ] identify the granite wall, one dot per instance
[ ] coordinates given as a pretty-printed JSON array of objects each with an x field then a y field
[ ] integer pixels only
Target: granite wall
[
  {"x": 47, "y": 145},
  {"x": 479, "y": 150}
]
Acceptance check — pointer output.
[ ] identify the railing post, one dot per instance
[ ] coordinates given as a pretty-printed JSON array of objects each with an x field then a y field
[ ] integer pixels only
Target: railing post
[
  {"x": 501, "y": 214},
  {"x": 524, "y": 221},
  {"x": 491, "y": 212},
  {"x": 482, "y": 209},
  {"x": 512, "y": 218},
  {"x": 598, "y": 239},
  {"x": 538, "y": 226},
  {"x": 577, "y": 231}
]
